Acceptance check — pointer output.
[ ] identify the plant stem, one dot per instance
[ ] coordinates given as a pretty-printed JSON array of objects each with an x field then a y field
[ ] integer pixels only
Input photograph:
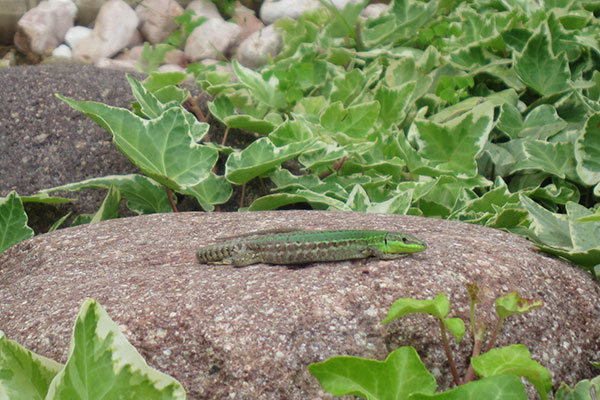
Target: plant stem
[
  {"x": 470, "y": 371},
  {"x": 494, "y": 335},
  {"x": 449, "y": 354},
  {"x": 225, "y": 136},
  {"x": 192, "y": 106},
  {"x": 336, "y": 167},
  {"x": 241, "y": 204},
  {"x": 171, "y": 201}
]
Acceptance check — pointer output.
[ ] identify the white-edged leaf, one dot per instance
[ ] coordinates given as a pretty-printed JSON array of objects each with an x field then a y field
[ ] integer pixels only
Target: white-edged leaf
[
  {"x": 13, "y": 221},
  {"x": 163, "y": 148},
  {"x": 454, "y": 146},
  {"x": 539, "y": 68},
  {"x": 143, "y": 194},
  {"x": 587, "y": 151},
  {"x": 24, "y": 374},
  {"x": 102, "y": 364}
]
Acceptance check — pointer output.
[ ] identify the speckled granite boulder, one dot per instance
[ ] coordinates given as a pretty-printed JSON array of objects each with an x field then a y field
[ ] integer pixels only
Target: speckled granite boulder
[{"x": 250, "y": 332}]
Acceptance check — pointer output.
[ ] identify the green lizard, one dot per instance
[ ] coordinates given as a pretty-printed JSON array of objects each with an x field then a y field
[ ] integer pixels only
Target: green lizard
[{"x": 301, "y": 247}]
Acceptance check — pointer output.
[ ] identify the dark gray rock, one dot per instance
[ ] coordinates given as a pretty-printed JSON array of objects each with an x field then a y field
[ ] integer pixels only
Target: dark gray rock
[
  {"x": 252, "y": 331},
  {"x": 45, "y": 143}
]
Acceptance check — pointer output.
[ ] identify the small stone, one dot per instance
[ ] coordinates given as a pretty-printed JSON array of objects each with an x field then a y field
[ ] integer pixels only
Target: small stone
[
  {"x": 76, "y": 34},
  {"x": 373, "y": 10},
  {"x": 157, "y": 19},
  {"x": 115, "y": 25},
  {"x": 247, "y": 20},
  {"x": 204, "y": 8},
  {"x": 119, "y": 65},
  {"x": 212, "y": 38},
  {"x": 39, "y": 139},
  {"x": 62, "y": 51},
  {"x": 272, "y": 10},
  {"x": 255, "y": 51}
]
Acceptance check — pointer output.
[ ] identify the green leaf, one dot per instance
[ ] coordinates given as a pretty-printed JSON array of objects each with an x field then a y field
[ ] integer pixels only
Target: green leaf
[
  {"x": 358, "y": 199},
  {"x": 549, "y": 228},
  {"x": 259, "y": 158},
  {"x": 152, "y": 106},
  {"x": 513, "y": 303},
  {"x": 102, "y": 364},
  {"x": 163, "y": 147},
  {"x": 517, "y": 38},
  {"x": 438, "y": 307},
  {"x": 249, "y": 123},
  {"x": 492, "y": 201},
  {"x": 514, "y": 359},
  {"x": 393, "y": 103},
  {"x": 13, "y": 221},
  {"x": 583, "y": 390},
  {"x": 585, "y": 231},
  {"x": 264, "y": 91},
  {"x": 539, "y": 68},
  {"x": 554, "y": 158},
  {"x": 214, "y": 189},
  {"x": 401, "y": 374},
  {"x": 82, "y": 219},
  {"x": 346, "y": 87},
  {"x": 477, "y": 27},
  {"x": 398, "y": 204},
  {"x": 456, "y": 326},
  {"x": 355, "y": 121},
  {"x": 316, "y": 200},
  {"x": 291, "y": 131},
  {"x": 45, "y": 199},
  {"x": 109, "y": 208},
  {"x": 59, "y": 222},
  {"x": 399, "y": 24},
  {"x": 587, "y": 151},
  {"x": 558, "y": 192},
  {"x": 159, "y": 80},
  {"x": 453, "y": 89},
  {"x": 541, "y": 123},
  {"x": 401, "y": 72},
  {"x": 475, "y": 104},
  {"x": 497, "y": 387},
  {"x": 144, "y": 195},
  {"x": 454, "y": 146},
  {"x": 470, "y": 57},
  {"x": 570, "y": 236},
  {"x": 152, "y": 57},
  {"x": 224, "y": 110},
  {"x": 24, "y": 374}
]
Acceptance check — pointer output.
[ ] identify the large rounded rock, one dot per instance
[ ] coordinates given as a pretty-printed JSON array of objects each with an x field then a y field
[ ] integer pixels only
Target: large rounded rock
[{"x": 250, "y": 332}]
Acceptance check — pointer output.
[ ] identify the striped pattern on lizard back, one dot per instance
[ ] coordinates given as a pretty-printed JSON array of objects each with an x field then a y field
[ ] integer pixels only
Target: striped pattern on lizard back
[{"x": 297, "y": 247}]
